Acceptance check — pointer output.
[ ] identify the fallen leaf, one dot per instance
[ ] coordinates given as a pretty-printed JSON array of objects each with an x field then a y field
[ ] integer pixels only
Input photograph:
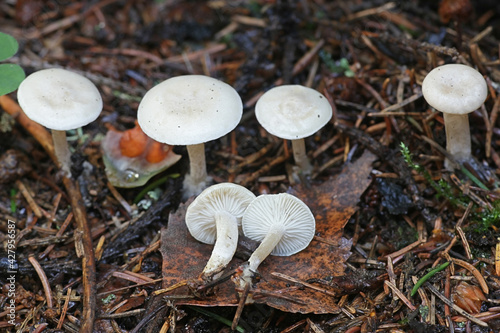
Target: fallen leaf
[{"x": 332, "y": 205}]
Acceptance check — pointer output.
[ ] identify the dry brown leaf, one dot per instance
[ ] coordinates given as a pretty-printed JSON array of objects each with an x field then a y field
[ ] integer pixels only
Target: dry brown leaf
[{"x": 332, "y": 205}]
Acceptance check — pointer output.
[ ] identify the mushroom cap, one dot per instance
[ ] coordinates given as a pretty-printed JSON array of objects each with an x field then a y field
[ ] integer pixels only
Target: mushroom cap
[
  {"x": 285, "y": 209},
  {"x": 223, "y": 197},
  {"x": 189, "y": 109},
  {"x": 454, "y": 88},
  {"x": 292, "y": 111},
  {"x": 59, "y": 99}
]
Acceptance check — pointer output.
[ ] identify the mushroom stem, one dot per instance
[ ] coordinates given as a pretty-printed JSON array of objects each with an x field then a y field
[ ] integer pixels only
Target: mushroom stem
[
  {"x": 62, "y": 151},
  {"x": 225, "y": 245},
  {"x": 196, "y": 181},
  {"x": 300, "y": 156},
  {"x": 458, "y": 142},
  {"x": 266, "y": 247}
]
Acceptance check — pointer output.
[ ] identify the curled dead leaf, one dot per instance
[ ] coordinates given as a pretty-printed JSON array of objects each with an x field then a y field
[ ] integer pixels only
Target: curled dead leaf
[{"x": 468, "y": 297}]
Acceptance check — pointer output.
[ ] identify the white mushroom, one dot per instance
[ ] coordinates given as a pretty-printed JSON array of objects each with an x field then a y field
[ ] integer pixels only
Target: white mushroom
[
  {"x": 60, "y": 100},
  {"x": 293, "y": 112},
  {"x": 282, "y": 223},
  {"x": 214, "y": 217},
  {"x": 190, "y": 110},
  {"x": 456, "y": 90}
]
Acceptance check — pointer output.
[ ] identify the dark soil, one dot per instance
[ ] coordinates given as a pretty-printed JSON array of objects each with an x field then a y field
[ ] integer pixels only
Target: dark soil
[{"x": 368, "y": 58}]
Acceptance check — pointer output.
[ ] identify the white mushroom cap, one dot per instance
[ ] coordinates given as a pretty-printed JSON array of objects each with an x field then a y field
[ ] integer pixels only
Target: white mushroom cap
[
  {"x": 59, "y": 99},
  {"x": 454, "y": 88},
  {"x": 189, "y": 109},
  {"x": 292, "y": 111},
  {"x": 223, "y": 197},
  {"x": 285, "y": 211}
]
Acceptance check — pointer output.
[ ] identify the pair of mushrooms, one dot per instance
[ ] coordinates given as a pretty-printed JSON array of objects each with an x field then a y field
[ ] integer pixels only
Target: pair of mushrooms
[
  {"x": 456, "y": 90},
  {"x": 281, "y": 222},
  {"x": 193, "y": 109}
]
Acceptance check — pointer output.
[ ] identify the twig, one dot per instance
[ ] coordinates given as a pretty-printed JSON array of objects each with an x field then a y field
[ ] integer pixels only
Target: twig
[
  {"x": 241, "y": 305},
  {"x": 60, "y": 232},
  {"x": 401, "y": 296},
  {"x": 197, "y": 54},
  {"x": 305, "y": 284},
  {"x": 88, "y": 260},
  {"x": 67, "y": 21},
  {"x": 479, "y": 277},
  {"x": 314, "y": 327},
  {"x": 131, "y": 276},
  {"x": 466, "y": 191},
  {"x": 370, "y": 11},
  {"x": 264, "y": 169},
  {"x": 497, "y": 258},
  {"x": 460, "y": 232},
  {"x": 31, "y": 202},
  {"x": 491, "y": 123},
  {"x": 131, "y": 313},
  {"x": 251, "y": 158},
  {"x": 404, "y": 250},
  {"x": 120, "y": 198},
  {"x": 129, "y": 287},
  {"x": 138, "y": 258},
  {"x": 64, "y": 309},
  {"x": 407, "y": 101},
  {"x": 44, "y": 280}
]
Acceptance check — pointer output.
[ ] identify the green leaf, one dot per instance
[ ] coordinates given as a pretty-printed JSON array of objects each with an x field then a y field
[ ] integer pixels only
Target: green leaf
[
  {"x": 8, "y": 46},
  {"x": 11, "y": 77}
]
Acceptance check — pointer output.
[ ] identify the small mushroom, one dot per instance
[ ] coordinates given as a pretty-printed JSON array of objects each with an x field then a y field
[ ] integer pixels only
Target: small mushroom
[
  {"x": 60, "y": 100},
  {"x": 294, "y": 112},
  {"x": 190, "y": 110},
  {"x": 131, "y": 158},
  {"x": 214, "y": 217},
  {"x": 282, "y": 223},
  {"x": 456, "y": 90}
]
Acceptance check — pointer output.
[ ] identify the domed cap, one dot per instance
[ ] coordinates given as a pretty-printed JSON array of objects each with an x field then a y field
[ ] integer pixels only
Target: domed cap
[
  {"x": 223, "y": 197},
  {"x": 292, "y": 111},
  {"x": 59, "y": 99},
  {"x": 284, "y": 210},
  {"x": 189, "y": 109},
  {"x": 454, "y": 88}
]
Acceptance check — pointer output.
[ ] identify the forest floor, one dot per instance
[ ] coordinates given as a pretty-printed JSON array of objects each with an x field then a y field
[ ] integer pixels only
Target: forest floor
[{"x": 389, "y": 215}]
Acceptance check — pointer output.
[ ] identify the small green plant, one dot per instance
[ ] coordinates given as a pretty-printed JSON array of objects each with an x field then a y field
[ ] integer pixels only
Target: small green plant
[
  {"x": 108, "y": 299},
  {"x": 442, "y": 188},
  {"x": 11, "y": 75},
  {"x": 482, "y": 220},
  {"x": 340, "y": 67}
]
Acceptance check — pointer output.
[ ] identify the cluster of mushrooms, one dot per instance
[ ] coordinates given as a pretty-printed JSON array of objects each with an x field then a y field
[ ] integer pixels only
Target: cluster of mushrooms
[
  {"x": 281, "y": 223},
  {"x": 193, "y": 109}
]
